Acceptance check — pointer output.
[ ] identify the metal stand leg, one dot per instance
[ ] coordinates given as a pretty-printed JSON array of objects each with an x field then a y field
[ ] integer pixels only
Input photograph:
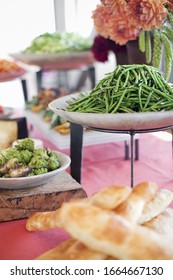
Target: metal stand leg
[
  {"x": 25, "y": 91},
  {"x": 132, "y": 133},
  {"x": 39, "y": 76},
  {"x": 136, "y": 149},
  {"x": 126, "y": 150},
  {"x": 91, "y": 71},
  {"x": 76, "y": 141}
]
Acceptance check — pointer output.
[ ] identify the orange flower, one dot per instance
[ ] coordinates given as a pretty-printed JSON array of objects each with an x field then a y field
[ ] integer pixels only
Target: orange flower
[
  {"x": 121, "y": 30},
  {"x": 105, "y": 16},
  {"x": 117, "y": 6},
  {"x": 122, "y": 20},
  {"x": 111, "y": 2},
  {"x": 101, "y": 16},
  {"x": 107, "y": 2},
  {"x": 147, "y": 14}
]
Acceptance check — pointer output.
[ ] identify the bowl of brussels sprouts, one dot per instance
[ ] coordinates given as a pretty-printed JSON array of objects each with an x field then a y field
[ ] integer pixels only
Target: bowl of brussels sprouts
[{"x": 24, "y": 166}]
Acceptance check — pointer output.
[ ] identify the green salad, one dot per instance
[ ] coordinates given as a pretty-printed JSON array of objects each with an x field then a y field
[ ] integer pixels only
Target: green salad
[{"x": 59, "y": 43}]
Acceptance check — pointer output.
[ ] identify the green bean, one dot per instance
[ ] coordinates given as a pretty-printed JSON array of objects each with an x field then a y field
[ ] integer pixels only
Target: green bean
[
  {"x": 119, "y": 102},
  {"x": 143, "y": 76},
  {"x": 136, "y": 76},
  {"x": 166, "y": 84},
  {"x": 156, "y": 79},
  {"x": 161, "y": 93},
  {"x": 148, "y": 100},
  {"x": 129, "y": 88},
  {"x": 126, "y": 110},
  {"x": 156, "y": 104}
]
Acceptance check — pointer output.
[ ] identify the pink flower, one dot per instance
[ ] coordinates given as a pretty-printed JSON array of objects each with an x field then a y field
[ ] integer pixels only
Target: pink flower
[
  {"x": 122, "y": 20},
  {"x": 146, "y": 14},
  {"x": 101, "y": 18},
  {"x": 121, "y": 29}
]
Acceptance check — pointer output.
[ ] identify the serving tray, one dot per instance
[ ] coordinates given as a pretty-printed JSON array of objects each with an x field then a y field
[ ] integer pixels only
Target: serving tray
[{"x": 117, "y": 121}]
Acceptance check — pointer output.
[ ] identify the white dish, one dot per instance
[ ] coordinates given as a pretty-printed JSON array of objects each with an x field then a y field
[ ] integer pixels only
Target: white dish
[
  {"x": 61, "y": 61},
  {"x": 7, "y": 111},
  {"x": 37, "y": 180},
  {"x": 5, "y": 77},
  {"x": 38, "y": 144},
  {"x": 118, "y": 121}
]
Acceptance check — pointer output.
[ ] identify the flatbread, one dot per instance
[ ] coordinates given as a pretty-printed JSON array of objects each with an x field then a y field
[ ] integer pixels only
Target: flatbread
[
  {"x": 109, "y": 233},
  {"x": 158, "y": 204},
  {"x": 107, "y": 198},
  {"x": 110, "y": 197},
  {"x": 132, "y": 208},
  {"x": 163, "y": 225}
]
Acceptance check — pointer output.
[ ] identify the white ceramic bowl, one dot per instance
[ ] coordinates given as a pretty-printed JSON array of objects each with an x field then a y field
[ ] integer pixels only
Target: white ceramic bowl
[
  {"x": 37, "y": 180},
  {"x": 118, "y": 121}
]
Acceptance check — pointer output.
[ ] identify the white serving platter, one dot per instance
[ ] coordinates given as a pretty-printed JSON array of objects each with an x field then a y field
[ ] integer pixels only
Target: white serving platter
[
  {"x": 117, "y": 121},
  {"x": 59, "y": 61}
]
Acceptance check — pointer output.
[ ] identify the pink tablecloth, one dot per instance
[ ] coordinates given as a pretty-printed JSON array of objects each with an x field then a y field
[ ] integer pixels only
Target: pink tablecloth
[
  {"x": 103, "y": 165},
  {"x": 16, "y": 243}
]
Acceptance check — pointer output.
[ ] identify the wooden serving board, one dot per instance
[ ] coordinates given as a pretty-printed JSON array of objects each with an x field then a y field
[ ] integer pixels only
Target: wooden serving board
[{"x": 20, "y": 204}]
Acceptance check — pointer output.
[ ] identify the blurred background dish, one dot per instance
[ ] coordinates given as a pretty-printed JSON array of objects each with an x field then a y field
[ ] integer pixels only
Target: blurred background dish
[
  {"x": 58, "y": 50},
  {"x": 62, "y": 61},
  {"x": 10, "y": 70},
  {"x": 11, "y": 76},
  {"x": 5, "y": 112}
]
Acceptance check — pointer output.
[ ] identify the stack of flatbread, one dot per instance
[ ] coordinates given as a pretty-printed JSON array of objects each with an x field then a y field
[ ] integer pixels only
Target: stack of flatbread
[{"x": 115, "y": 223}]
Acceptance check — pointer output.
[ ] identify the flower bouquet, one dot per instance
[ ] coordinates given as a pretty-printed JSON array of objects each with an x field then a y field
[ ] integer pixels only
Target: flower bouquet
[{"x": 149, "y": 21}]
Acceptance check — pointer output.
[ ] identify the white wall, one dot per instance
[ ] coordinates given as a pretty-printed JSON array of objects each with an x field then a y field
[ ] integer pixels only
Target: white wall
[
  {"x": 78, "y": 19},
  {"x": 20, "y": 22},
  {"x": 23, "y": 20}
]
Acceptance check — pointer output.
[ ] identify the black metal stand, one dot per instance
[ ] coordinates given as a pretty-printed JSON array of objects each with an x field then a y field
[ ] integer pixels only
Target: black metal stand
[
  {"x": 76, "y": 142},
  {"x": 132, "y": 134}
]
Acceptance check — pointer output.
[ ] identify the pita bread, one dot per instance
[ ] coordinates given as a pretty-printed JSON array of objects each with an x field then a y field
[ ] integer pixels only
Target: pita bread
[
  {"x": 107, "y": 198},
  {"x": 163, "y": 225},
  {"x": 72, "y": 249},
  {"x": 43, "y": 220},
  {"x": 109, "y": 233},
  {"x": 132, "y": 208},
  {"x": 158, "y": 204}
]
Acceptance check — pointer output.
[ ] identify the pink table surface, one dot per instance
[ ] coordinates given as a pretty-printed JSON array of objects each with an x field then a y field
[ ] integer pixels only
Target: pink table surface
[
  {"x": 154, "y": 164},
  {"x": 16, "y": 243}
]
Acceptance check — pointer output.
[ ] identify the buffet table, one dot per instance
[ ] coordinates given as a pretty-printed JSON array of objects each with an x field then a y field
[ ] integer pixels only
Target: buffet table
[
  {"x": 62, "y": 142},
  {"x": 16, "y": 243}
]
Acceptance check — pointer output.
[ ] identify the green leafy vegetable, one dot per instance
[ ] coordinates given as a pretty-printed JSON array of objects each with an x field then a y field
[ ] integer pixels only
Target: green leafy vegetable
[{"x": 58, "y": 43}]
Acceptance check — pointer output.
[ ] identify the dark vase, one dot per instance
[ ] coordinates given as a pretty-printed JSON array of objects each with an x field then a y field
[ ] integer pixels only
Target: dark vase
[
  {"x": 135, "y": 56},
  {"x": 122, "y": 55}
]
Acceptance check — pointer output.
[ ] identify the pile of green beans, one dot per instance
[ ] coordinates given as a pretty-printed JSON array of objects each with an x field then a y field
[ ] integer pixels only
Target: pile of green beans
[{"x": 128, "y": 89}]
